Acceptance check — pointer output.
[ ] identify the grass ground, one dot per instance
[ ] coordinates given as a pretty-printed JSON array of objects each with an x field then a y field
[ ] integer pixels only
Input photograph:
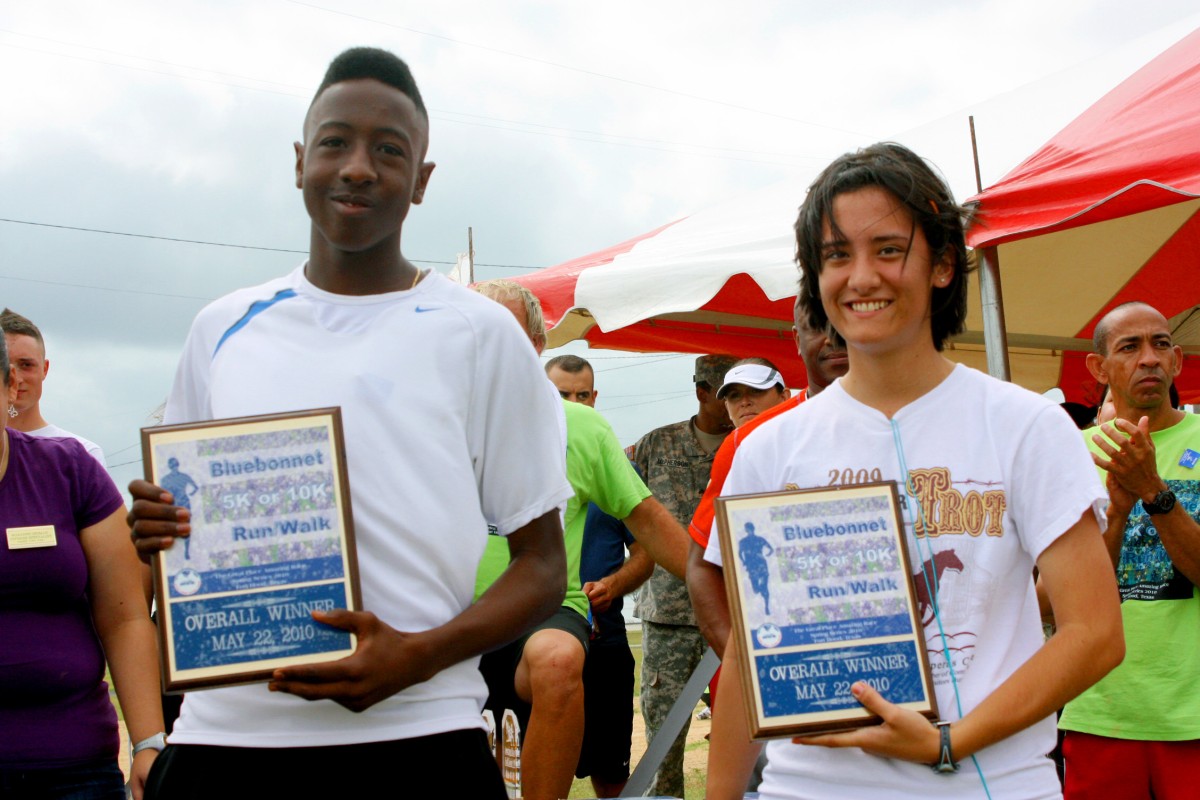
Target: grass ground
[{"x": 695, "y": 759}]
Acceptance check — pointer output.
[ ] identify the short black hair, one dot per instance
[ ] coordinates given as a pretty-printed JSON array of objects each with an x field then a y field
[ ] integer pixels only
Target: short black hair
[
  {"x": 569, "y": 363},
  {"x": 359, "y": 63},
  {"x": 929, "y": 202},
  {"x": 4, "y": 363}
]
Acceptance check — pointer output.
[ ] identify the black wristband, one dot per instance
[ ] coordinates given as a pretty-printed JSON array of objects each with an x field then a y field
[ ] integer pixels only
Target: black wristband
[{"x": 946, "y": 765}]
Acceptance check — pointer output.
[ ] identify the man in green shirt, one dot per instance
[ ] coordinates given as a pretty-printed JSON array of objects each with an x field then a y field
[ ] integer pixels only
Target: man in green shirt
[
  {"x": 544, "y": 669},
  {"x": 1136, "y": 733}
]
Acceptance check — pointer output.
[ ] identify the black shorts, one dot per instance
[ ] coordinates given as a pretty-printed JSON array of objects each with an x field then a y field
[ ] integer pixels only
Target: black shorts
[
  {"x": 452, "y": 764},
  {"x": 499, "y": 667},
  {"x": 608, "y": 713}
]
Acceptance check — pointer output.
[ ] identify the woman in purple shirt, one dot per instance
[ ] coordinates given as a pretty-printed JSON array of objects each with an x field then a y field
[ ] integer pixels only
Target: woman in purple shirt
[{"x": 70, "y": 596}]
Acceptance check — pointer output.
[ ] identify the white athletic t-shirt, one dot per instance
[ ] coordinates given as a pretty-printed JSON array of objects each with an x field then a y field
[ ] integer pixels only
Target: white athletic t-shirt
[
  {"x": 1001, "y": 473},
  {"x": 55, "y": 432},
  {"x": 448, "y": 426}
]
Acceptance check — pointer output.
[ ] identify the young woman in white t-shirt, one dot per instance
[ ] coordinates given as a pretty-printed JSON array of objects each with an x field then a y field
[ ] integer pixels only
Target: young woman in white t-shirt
[{"x": 880, "y": 241}]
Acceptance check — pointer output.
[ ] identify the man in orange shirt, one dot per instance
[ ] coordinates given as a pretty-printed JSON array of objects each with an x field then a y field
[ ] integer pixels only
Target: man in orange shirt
[{"x": 824, "y": 363}]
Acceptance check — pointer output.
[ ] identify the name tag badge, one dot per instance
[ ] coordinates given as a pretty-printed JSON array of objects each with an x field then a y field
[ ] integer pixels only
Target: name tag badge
[
  {"x": 34, "y": 536},
  {"x": 1189, "y": 459}
]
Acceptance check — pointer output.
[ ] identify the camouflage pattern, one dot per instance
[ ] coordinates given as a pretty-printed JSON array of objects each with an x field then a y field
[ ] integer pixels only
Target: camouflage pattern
[
  {"x": 670, "y": 654},
  {"x": 712, "y": 369},
  {"x": 676, "y": 470}
]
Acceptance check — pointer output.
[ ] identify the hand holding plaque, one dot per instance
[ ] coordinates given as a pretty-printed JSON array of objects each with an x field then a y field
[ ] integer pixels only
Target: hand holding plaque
[
  {"x": 385, "y": 662},
  {"x": 259, "y": 537},
  {"x": 902, "y": 733},
  {"x": 820, "y": 599}
]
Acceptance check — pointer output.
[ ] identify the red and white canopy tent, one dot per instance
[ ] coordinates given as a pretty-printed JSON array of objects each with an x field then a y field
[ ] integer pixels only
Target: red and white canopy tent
[
  {"x": 719, "y": 281},
  {"x": 1106, "y": 212}
]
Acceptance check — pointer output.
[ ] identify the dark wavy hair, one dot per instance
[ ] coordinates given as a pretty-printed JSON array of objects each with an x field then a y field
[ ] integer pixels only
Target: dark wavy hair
[{"x": 913, "y": 182}]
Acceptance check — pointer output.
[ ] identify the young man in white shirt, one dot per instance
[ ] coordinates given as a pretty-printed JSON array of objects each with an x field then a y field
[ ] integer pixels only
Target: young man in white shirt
[{"x": 447, "y": 431}]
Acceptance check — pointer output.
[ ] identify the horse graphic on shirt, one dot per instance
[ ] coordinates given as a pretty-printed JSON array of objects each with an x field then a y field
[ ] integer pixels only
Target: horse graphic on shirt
[{"x": 930, "y": 576}]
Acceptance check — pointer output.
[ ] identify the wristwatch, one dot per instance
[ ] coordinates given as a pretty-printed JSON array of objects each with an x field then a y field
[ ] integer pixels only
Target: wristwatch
[
  {"x": 945, "y": 765},
  {"x": 156, "y": 742},
  {"x": 1163, "y": 502}
]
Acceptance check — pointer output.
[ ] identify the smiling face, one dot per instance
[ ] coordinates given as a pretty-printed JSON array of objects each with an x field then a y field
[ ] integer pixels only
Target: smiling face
[
  {"x": 361, "y": 167},
  {"x": 1140, "y": 361},
  {"x": 876, "y": 276},
  {"x": 28, "y": 359}
]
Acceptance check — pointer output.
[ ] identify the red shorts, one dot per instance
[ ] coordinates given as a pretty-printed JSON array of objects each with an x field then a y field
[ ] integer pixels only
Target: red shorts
[{"x": 1100, "y": 768}]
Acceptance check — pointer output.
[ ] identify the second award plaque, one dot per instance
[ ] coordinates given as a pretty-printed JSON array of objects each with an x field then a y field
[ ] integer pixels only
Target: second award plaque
[
  {"x": 271, "y": 541},
  {"x": 820, "y": 593}
]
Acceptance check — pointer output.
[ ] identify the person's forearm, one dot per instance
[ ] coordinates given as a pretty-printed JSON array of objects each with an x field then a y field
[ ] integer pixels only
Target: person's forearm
[
  {"x": 1180, "y": 535},
  {"x": 1114, "y": 534},
  {"x": 1089, "y": 642},
  {"x": 132, "y": 652},
  {"x": 731, "y": 753},
  {"x": 706, "y": 586},
  {"x": 633, "y": 573},
  {"x": 1072, "y": 659},
  {"x": 661, "y": 534},
  {"x": 525, "y": 594}
]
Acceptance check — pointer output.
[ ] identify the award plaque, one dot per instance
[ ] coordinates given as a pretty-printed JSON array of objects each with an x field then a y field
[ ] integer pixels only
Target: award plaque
[
  {"x": 821, "y": 596},
  {"x": 271, "y": 541}
]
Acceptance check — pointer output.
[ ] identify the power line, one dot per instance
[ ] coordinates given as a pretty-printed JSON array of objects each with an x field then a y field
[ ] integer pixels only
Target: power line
[
  {"x": 648, "y": 139},
  {"x": 104, "y": 288},
  {"x": 175, "y": 64},
  {"x": 516, "y": 126},
  {"x": 580, "y": 70},
  {"x": 147, "y": 69},
  {"x": 160, "y": 238},
  {"x": 628, "y": 144},
  {"x": 644, "y": 363},
  {"x": 217, "y": 244}
]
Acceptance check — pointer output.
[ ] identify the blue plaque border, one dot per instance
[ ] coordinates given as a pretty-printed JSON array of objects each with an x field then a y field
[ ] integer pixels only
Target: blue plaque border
[
  {"x": 821, "y": 595},
  {"x": 245, "y": 611}
]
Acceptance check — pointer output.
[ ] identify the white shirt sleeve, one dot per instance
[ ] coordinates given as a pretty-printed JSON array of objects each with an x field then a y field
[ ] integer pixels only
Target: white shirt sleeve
[
  {"x": 515, "y": 431},
  {"x": 1053, "y": 481}
]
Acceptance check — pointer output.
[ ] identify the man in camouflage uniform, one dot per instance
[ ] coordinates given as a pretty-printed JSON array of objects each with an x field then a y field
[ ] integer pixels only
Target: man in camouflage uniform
[{"x": 675, "y": 461}]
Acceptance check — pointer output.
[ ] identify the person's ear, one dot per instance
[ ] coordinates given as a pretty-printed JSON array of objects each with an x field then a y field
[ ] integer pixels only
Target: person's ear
[
  {"x": 423, "y": 173},
  {"x": 1096, "y": 366},
  {"x": 299, "y": 148},
  {"x": 943, "y": 272}
]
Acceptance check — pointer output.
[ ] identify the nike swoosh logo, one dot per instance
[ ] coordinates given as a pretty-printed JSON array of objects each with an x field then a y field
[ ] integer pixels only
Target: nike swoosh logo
[{"x": 421, "y": 310}]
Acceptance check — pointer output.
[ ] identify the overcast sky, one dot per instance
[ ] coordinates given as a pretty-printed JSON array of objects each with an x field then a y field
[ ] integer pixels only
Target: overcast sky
[{"x": 558, "y": 128}]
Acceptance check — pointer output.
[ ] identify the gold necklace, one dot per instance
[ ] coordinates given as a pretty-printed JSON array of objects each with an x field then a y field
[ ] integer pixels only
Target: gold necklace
[{"x": 416, "y": 279}]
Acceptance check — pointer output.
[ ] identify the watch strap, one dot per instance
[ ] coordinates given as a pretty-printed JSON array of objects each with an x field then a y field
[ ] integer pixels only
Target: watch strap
[
  {"x": 1162, "y": 503},
  {"x": 156, "y": 742},
  {"x": 945, "y": 765}
]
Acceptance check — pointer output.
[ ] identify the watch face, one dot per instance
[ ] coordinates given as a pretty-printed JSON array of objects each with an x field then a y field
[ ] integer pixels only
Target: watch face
[{"x": 1163, "y": 502}]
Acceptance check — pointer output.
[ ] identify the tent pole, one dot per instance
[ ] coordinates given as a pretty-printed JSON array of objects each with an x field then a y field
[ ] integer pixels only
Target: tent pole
[
  {"x": 995, "y": 337},
  {"x": 470, "y": 256}
]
